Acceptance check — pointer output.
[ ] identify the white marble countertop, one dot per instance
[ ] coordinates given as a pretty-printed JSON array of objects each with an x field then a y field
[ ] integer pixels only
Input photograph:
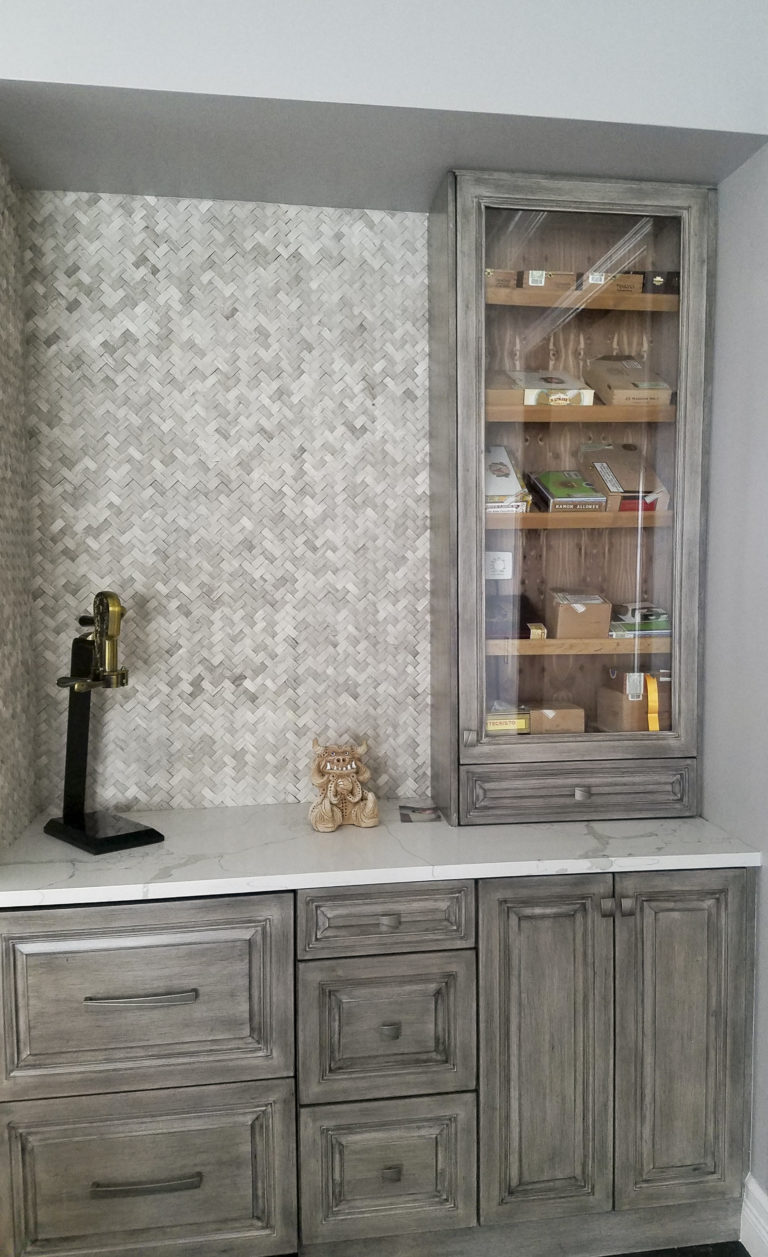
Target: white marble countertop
[{"x": 234, "y": 850}]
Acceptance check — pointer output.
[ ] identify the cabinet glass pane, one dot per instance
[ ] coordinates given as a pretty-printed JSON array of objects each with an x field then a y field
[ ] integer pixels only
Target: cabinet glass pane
[{"x": 581, "y": 369}]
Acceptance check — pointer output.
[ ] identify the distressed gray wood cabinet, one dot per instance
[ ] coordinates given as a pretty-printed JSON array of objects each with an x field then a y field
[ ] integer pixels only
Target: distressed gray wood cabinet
[
  {"x": 568, "y": 390},
  {"x": 373, "y": 1030},
  {"x": 109, "y": 1016},
  {"x": 567, "y": 1128},
  {"x": 147, "y": 1100}
]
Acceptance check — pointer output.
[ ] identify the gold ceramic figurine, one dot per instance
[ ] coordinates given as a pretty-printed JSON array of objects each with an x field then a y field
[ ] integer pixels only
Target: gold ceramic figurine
[{"x": 340, "y": 774}]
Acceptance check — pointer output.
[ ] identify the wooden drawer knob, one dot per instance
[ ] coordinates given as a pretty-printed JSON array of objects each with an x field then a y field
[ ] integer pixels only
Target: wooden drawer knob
[
  {"x": 392, "y": 1173},
  {"x": 391, "y": 1029}
]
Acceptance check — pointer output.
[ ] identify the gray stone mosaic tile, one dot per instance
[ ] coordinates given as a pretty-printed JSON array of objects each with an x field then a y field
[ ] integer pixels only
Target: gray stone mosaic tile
[
  {"x": 228, "y": 422},
  {"x": 16, "y": 764}
]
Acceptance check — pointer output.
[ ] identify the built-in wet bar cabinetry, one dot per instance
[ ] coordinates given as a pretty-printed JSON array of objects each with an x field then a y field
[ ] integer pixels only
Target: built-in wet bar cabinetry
[{"x": 503, "y": 1034}]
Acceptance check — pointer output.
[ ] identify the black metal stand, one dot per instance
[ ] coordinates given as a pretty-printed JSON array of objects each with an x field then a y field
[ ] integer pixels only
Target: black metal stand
[{"x": 96, "y": 832}]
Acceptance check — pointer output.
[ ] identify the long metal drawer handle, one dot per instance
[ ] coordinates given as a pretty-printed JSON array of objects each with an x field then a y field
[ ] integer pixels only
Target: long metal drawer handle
[
  {"x": 391, "y": 1029},
  {"x": 101, "y": 1190},
  {"x": 392, "y": 1173},
  {"x": 145, "y": 1001},
  {"x": 390, "y": 921}
]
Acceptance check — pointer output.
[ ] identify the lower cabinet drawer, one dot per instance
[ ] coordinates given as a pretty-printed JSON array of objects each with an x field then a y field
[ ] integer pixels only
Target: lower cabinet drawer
[
  {"x": 123, "y": 998},
  {"x": 578, "y": 791},
  {"x": 386, "y": 1026},
  {"x": 371, "y": 920},
  {"x": 191, "y": 1172},
  {"x": 389, "y": 1167}
]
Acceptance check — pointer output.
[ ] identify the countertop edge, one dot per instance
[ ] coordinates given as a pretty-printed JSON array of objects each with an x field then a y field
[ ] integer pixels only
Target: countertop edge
[{"x": 213, "y": 887}]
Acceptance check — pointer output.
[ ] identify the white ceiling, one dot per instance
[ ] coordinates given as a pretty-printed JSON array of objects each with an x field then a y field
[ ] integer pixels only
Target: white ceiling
[{"x": 676, "y": 63}]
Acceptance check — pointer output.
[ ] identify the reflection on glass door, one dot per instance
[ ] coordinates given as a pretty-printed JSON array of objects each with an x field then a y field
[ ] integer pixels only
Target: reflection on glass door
[{"x": 581, "y": 366}]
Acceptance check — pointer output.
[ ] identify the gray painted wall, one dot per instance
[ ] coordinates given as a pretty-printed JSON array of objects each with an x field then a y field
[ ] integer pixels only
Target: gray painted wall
[
  {"x": 16, "y": 765},
  {"x": 736, "y": 695},
  {"x": 692, "y": 63},
  {"x": 227, "y": 406}
]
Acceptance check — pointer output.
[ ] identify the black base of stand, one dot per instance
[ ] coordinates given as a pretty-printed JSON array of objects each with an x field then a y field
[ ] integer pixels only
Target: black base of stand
[{"x": 103, "y": 831}]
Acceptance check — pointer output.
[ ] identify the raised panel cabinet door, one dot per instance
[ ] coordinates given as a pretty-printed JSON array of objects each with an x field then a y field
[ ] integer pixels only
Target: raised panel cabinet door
[
  {"x": 146, "y": 995},
  {"x": 546, "y": 1047},
  {"x": 387, "y": 1167},
  {"x": 680, "y": 1035},
  {"x": 183, "y": 1173},
  {"x": 386, "y": 1026}
]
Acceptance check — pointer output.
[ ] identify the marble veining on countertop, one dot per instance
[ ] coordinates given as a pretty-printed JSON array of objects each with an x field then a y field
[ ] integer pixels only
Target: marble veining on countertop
[{"x": 234, "y": 850}]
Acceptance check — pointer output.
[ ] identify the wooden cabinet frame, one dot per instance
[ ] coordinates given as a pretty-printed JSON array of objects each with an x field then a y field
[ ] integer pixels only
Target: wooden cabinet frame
[{"x": 456, "y": 409}]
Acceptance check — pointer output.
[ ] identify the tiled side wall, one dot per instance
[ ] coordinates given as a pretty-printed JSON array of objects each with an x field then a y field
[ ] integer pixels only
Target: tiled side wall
[
  {"x": 228, "y": 413},
  {"x": 16, "y": 765}
]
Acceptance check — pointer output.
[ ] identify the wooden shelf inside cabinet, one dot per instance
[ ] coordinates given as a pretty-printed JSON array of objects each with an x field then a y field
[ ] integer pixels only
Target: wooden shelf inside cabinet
[
  {"x": 658, "y": 303},
  {"x": 515, "y": 413},
  {"x": 579, "y": 646},
  {"x": 578, "y": 519}
]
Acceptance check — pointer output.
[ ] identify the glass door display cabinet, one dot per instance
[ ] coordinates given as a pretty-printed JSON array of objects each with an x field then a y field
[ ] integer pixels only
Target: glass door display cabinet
[{"x": 568, "y": 325}]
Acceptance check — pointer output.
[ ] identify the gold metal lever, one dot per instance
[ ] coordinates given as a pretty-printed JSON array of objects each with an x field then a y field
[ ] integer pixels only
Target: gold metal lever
[{"x": 105, "y": 672}]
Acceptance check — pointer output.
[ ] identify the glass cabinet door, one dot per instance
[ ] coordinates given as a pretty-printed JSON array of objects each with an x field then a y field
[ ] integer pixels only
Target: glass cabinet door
[{"x": 581, "y": 349}]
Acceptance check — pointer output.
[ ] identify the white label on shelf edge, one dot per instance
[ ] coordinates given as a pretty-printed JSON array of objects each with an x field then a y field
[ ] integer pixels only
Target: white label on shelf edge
[
  {"x": 596, "y": 277},
  {"x": 537, "y": 279}
]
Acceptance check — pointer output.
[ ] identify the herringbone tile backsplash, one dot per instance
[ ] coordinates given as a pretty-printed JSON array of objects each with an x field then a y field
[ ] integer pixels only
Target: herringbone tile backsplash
[
  {"x": 228, "y": 420},
  {"x": 16, "y": 718}
]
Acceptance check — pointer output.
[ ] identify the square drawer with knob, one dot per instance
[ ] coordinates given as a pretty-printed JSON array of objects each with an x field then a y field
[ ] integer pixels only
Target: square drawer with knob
[
  {"x": 386, "y": 1026},
  {"x": 388, "y": 1167}
]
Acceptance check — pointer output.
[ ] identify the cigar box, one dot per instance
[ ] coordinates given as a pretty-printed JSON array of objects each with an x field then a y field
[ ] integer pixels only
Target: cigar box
[
  {"x": 620, "y": 472},
  {"x": 639, "y": 619},
  {"x": 576, "y": 615},
  {"x": 625, "y": 381},
  {"x": 499, "y": 280},
  {"x": 504, "y": 719},
  {"x": 565, "y": 491},
  {"x": 556, "y": 717},
  {"x": 635, "y": 702},
  {"x": 547, "y": 281},
  {"x": 529, "y": 388},
  {"x": 505, "y": 489},
  {"x": 601, "y": 281}
]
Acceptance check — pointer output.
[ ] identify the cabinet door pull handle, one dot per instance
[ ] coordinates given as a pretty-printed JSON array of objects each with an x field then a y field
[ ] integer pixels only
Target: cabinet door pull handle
[
  {"x": 144, "y": 1001},
  {"x": 392, "y": 1173},
  {"x": 607, "y": 907},
  {"x": 391, "y": 1029},
  {"x": 101, "y": 1191},
  {"x": 582, "y": 793},
  {"x": 390, "y": 921},
  {"x": 627, "y": 905}
]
